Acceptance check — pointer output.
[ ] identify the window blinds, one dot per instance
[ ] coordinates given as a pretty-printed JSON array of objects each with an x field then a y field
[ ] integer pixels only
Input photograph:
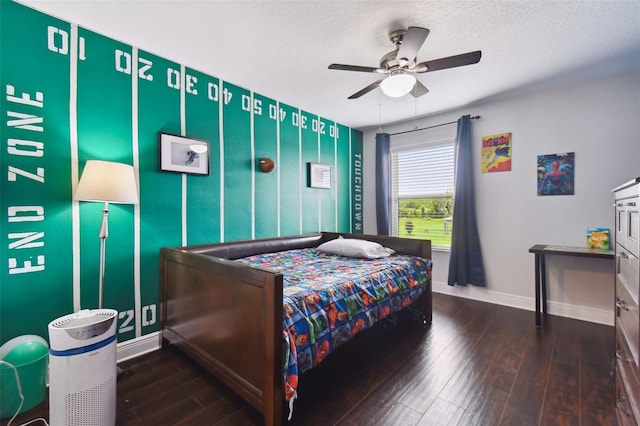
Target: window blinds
[{"x": 423, "y": 172}]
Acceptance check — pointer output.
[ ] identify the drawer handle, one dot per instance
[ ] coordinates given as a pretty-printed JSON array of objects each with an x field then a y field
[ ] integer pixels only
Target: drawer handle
[
  {"x": 620, "y": 356},
  {"x": 630, "y": 204},
  {"x": 622, "y": 255},
  {"x": 619, "y": 403},
  {"x": 621, "y": 304}
]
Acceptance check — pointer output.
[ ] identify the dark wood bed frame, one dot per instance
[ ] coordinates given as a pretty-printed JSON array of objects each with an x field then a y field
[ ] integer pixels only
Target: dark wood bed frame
[{"x": 227, "y": 316}]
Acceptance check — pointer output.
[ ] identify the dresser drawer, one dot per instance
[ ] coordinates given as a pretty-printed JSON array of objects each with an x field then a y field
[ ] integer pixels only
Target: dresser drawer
[
  {"x": 626, "y": 365},
  {"x": 627, "y": 319},
  {"x": 627, "y": 228},
  {"x": 626, "y": 379},
  {"x": 628, "y": 270},
  {"x": 624, "y": 405}
]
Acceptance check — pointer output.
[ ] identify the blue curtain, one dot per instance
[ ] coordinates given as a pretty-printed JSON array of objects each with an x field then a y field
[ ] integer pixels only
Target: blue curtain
[
  {"x": 465, "y": 261},
  {"x": 383, "y": 183}
]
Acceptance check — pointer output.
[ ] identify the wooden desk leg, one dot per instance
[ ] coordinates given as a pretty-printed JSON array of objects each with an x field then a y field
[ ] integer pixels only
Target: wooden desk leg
[
  {"x": 543, "y": 282},
  {"x": 537, "y": 257}
]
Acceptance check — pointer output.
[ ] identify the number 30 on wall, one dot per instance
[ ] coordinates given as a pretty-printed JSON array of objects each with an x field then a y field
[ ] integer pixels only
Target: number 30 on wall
[{"x": 148, "y": 318}]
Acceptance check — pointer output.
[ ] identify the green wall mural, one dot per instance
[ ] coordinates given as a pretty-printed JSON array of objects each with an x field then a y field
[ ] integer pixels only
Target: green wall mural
[{"x": 69, "y": 95}]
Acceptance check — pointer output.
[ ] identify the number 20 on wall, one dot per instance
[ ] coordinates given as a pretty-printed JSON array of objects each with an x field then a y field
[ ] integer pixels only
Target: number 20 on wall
[{"x": 126, "y": 318}]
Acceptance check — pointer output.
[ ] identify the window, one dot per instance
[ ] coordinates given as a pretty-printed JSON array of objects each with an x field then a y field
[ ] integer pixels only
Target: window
[{"x": 422, "y": 185}]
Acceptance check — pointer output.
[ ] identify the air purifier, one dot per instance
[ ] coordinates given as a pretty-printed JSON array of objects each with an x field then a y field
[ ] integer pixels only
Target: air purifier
[{"x": 82, "y": 368}]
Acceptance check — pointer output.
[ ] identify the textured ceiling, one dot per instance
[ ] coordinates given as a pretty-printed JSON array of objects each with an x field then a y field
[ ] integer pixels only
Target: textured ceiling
[{"x": 281, "y": 49}]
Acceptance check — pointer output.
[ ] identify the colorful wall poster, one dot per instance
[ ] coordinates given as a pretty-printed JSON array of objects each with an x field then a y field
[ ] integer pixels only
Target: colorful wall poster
[
  {"x": 496, "y": 153},
  {"x": 556, "y": 173}
]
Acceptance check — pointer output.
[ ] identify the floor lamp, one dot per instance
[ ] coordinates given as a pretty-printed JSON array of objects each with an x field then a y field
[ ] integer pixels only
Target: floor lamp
[{"x": 108, "y": 182}]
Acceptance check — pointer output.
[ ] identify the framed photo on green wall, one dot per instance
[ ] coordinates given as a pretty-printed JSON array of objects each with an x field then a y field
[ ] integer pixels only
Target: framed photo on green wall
[
  {"x": 319, "y": 175},
  {"x": 183, "y": 155}
]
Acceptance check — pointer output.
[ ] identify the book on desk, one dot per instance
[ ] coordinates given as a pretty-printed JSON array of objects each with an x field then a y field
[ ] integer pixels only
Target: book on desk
[{"x": 598, "y": 238}]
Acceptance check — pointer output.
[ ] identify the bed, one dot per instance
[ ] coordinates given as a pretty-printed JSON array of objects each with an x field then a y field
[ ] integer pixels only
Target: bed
[{"x": 224, "y": 306}]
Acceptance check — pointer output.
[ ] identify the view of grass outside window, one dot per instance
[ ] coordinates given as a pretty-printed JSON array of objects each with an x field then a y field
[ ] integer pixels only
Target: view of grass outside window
[
  {"x": 427, "y": 218},
  {"x": 422, "y": 191}
]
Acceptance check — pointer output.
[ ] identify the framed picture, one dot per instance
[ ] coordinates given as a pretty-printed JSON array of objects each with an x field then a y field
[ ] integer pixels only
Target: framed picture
[
  {"x": 183, "y": 155},
  {"x": 319, "y": 175},
  {"x": 496, "y": 153},
  {"x": 556, "y": 174}
]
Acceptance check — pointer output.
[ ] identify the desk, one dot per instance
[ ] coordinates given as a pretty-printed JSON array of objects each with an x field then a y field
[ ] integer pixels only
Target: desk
[{"x": 540, "y": 250}]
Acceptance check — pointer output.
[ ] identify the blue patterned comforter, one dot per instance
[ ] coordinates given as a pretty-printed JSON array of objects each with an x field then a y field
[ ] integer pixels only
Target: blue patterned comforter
[{"x": 328, "y": 299}]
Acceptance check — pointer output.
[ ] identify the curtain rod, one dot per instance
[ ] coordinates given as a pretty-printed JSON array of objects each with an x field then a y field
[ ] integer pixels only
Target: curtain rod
[{"x": 430, "y": 127}]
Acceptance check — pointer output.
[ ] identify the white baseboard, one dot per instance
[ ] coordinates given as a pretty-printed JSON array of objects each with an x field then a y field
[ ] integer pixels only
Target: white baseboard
[
  {"x": 139, "y": 346},
  {"x": 583, "y": 313},
  {"x": 528, "y": 303}
]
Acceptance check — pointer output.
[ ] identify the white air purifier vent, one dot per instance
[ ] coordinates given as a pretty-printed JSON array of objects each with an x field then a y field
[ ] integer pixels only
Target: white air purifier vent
[
  {"x": 86, "y": 323},
  {"x": 86, "y": 406},
  {"x": 82, "y": 369}
]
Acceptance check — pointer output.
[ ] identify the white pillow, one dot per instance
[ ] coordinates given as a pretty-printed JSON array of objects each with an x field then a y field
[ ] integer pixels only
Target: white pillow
[{"x": 355, "y": 248}]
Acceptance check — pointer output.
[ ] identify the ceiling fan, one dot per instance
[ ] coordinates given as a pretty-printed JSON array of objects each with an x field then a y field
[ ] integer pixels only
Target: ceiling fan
[{"x": 400, "y": 65}]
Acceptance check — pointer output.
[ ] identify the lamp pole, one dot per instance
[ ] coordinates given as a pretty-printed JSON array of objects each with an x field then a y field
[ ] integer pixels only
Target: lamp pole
[{"x": 104, "y": 233}]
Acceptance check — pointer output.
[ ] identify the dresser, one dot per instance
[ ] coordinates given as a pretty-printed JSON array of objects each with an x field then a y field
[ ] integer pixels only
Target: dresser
[{"x": 627, "y": 323}]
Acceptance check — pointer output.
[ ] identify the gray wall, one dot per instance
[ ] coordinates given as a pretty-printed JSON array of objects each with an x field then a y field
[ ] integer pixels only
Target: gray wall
[{"x": 600, "y": 122}]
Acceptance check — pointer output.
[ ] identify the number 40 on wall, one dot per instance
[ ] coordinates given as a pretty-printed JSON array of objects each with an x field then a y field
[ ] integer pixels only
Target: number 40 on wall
[{"x": 127, "y": 317}]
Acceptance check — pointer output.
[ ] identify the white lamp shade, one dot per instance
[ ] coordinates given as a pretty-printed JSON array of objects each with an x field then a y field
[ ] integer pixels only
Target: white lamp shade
[
  {"x": 397, "y": 85},
  {"x": 108, "y": 182}
]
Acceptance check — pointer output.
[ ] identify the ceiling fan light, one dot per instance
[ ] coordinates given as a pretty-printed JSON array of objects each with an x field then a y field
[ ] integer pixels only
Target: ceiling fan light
[{"x": 397, "y": 85}]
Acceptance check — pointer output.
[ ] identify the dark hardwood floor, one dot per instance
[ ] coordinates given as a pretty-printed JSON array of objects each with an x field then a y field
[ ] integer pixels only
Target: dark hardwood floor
[{"x": 477, "y": 364}]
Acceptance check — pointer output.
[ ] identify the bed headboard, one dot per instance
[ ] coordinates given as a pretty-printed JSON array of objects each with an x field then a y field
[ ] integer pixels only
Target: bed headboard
[{"x": 237, "y": 249}]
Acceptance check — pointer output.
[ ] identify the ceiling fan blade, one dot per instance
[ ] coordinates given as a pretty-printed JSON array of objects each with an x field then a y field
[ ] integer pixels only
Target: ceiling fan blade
[
  {"x": 353, "y": 68},
  {"x": 418, "y": 90},
  {"x": 449, "y": 62},
  {"x": 366, "y": 90},
  {"x": 412, "y": 42}
]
